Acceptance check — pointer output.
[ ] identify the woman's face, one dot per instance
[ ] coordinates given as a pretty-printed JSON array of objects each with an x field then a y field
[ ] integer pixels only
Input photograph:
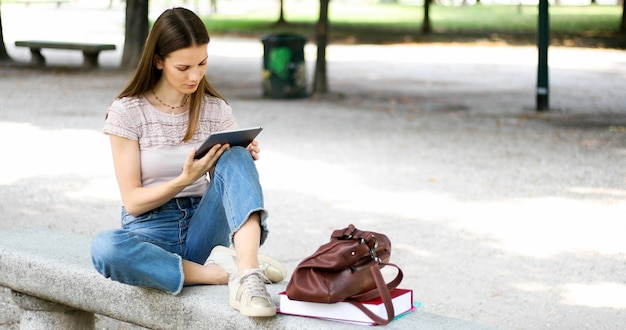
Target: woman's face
[{"x": 183, "y": 69}]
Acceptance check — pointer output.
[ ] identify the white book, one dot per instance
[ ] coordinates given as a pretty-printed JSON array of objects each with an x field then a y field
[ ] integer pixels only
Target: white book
[{"x": 402, "y": 300}]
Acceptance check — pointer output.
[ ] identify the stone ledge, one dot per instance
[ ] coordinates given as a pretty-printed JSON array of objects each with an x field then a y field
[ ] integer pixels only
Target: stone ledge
[{"x": 56, "y": 266}]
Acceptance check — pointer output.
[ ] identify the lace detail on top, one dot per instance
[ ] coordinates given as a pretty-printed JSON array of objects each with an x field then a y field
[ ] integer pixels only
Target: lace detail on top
[{"x": 135, "y": 118}]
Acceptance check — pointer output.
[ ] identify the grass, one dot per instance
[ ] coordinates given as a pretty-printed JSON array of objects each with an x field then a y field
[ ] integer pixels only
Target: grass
[{"x": 594, "y": 25}]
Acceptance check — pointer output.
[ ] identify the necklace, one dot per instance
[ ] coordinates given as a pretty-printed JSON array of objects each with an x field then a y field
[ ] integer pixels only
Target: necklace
[{"x": 170, "y": 106}]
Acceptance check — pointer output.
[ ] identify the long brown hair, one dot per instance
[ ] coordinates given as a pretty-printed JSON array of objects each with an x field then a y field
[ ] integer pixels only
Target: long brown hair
[{"x": 175, "y": 29}]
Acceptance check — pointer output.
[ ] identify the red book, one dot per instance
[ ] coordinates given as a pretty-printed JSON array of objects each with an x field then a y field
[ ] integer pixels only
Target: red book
[{"x": 402, "y": 300}]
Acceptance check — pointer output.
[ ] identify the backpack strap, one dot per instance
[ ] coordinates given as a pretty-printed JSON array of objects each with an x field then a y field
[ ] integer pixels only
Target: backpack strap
[
  {"x": 374, "y": 293},
  {"x": 381, "y": 291}
]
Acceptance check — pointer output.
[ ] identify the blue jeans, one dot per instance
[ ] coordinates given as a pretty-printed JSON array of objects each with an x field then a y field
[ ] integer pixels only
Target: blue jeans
[{"x": 148, "y": 250}]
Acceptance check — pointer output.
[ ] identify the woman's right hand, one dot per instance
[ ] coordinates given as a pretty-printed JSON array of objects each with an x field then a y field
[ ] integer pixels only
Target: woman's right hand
[
  {"x": 138, "y": 199},
  {"x": 193, "y": 169}
]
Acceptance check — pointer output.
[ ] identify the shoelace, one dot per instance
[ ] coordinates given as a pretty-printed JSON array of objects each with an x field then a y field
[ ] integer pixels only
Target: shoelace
[
  {"x": 264, "y": 266},
  {"x": 253, "y": 282}
]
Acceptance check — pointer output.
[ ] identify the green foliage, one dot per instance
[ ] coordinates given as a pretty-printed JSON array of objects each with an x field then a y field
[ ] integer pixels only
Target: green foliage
[
  {"x": 397, "y": 17},
  {"x": 570, "y": 19}
]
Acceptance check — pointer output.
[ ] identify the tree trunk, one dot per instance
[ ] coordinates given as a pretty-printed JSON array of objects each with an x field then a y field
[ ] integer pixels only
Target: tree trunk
[
  {"x": 623, "y": 27},
  {"x": 136, "y": 32},
  {"x": 281, "y": 15},
  {"x": 426, "y": 24},
  {"x": 4, "y": 56},
  {"x": 320, "y": 79}
]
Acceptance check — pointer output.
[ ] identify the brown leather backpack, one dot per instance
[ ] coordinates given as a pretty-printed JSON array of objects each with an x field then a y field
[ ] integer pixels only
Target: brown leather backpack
[{"x": 347, "y": 269}]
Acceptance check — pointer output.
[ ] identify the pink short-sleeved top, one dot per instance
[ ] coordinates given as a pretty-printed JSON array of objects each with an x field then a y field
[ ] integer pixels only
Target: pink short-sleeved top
[{"x": 160, "y": 136}]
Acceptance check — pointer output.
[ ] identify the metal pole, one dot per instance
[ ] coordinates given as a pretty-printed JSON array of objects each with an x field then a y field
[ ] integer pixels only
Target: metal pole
[{"x": 543, "y": 39}]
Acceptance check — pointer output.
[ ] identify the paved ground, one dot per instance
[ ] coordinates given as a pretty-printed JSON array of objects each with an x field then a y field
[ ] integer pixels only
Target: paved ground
[{"x": 499, "y": 215}]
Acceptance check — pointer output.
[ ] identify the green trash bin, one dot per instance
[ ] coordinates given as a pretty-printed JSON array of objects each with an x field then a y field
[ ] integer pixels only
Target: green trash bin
[{"x": 284, "y": 67}]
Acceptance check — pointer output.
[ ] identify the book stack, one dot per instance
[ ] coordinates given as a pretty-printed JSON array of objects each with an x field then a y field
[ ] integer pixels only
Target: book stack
[{"x": 402, "y": 300}]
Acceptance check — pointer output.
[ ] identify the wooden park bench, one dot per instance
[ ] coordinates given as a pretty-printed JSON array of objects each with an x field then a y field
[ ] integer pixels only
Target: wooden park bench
[{"x": 91, "y": 51}]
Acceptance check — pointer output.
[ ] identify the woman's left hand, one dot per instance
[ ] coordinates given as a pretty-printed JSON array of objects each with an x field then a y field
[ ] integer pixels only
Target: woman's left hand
[{"x": 254, "y": 149}]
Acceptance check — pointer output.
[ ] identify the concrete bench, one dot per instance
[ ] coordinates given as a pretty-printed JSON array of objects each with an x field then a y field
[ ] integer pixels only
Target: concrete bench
[
  {"x": 91, "y": 51},
  {"x": 52, "y": 280}
]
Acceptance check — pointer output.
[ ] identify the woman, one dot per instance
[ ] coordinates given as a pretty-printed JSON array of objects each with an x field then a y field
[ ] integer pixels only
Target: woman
[{"x": 176, "y": 209}]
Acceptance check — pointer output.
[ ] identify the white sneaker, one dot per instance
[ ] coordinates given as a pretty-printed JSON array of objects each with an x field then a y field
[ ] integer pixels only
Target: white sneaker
[
  {"x": 271, "y": 268},
  {"x": 249, "y": 296}
]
